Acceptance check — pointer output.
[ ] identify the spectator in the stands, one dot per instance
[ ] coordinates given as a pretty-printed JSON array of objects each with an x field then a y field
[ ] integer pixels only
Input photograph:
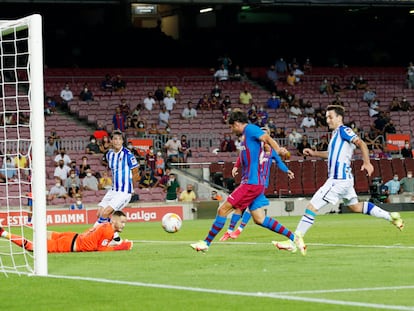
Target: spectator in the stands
[
  {"x": 252, "y": 115},
  {"x": 410, "y": 75},
  {"x": 263, "y": 116},
  {"x": 8, "y": 169},
  {"x": 105, "y": 182},
  {"x": 393, "y": 185},
  {"x": 58, "y": 190},
  {"x": 227, "y": 145},
  {"x": 63, "y": 156},
  {"x": 308, "y": 122},
  {"x": 281, "y": 66},
  {"x": 371, "y": 141},
  {"x": 325, "y": 87},
  {"x": 273, "y": 102},
  {"x": 395, "y": 104},
  {"x": 294, "y": 137},
  {"x": 159, "y": 165},
  {"x": 172, "y": 89},
  {"x": 50, "y": 147},
  {"x": 169, "y": 102},
  {"x": 73, "y": 184},
  {"x": 172, "y": 147},
  {"x": 222, "y": 74},
  {"x": 119, "y": 120},
  {"x": 225, "y": 104},
  {"x": 138, "y": 110},
  {"x": 245, "y": 97},
  {"x": 147, "y": 180},
  {"x": 216, "y": 91},
  {"x": 90, "y": 182},
  {"x": 119, "y": 84},
  {"x": 100, "y": 131},
  {"x": 272, "y": 78},
  {"x": 189, "y": 112},
  {"x": 405, "y": 105},
  {"x": 323, "y": 144},
  {"x": 124, "y": 106},
  {"x": 61, "y": 171},
  {"x": 164, "y": 117},
  {"x": 149, "y": 102},
  {"x": 50, "y": 105},
  {"x": 369, "y": 95},
  {"x": 407, "y": 150},
  {"x": 185, "y": 150},
  {"x": 83, "y": 167},
  {"x": 295, "y": 111},
  {"x": 159, "y": 95},
  {"x": 237, "y": 74},
  {"x": 302, "y": 145},
  {"x": 291, "y": 79},
  {"x": 361, "y": 83},
  {"x": 86, "y": 94},
  {"x": 92, "y": 147},
  {"x": 188, "y": 195},
  {"x": 107, "y": 85},
  {"x": 320, "y": 119},
  {"x": 204, "y": 103},
  {"x": 66, "y": 96}
]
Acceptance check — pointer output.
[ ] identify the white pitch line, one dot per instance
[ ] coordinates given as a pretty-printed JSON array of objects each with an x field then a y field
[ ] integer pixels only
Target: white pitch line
[
  {"x": 266, "y": 243},
  {"x": 238, "y": 293}
]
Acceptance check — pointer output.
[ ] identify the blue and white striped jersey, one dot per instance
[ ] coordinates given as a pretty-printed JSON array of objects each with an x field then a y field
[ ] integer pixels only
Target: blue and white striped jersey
[
  {"x": 121, "y": 163},
  {"x": 340, "y": 152}
]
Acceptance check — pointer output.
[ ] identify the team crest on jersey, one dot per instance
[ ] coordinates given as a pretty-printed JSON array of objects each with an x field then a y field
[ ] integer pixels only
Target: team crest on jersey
[
  {"x": 349, "y": 131},
  {"x": 134, "y": 160}
]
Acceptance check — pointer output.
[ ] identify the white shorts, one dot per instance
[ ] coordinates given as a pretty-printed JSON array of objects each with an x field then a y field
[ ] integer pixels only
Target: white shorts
[
  {"x": 115, "y": 199},
  {"x": 334, "y": 190}
]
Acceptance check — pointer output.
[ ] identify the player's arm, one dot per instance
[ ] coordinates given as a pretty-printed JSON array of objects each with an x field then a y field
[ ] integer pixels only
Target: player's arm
[
  {"x": 135, "y": 175},
  {"x": 315, "y": 153},
  {"x": 275, "y": 146},
  {"x": 236, "y": 166},
  {"x": 282, "y": 166},
  {"x": 366, "y": 165}
]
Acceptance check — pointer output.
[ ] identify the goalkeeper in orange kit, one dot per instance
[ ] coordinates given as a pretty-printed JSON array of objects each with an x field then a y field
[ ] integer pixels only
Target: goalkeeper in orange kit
[{"x": 94, "y": 239}]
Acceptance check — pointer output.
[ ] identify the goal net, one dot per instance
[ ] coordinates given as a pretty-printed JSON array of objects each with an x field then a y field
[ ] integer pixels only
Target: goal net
[{"x": 22, "y": 157}]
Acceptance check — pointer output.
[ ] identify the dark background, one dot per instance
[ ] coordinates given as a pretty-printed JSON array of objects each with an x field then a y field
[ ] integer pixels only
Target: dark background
[{"x": 102, "y": 35}]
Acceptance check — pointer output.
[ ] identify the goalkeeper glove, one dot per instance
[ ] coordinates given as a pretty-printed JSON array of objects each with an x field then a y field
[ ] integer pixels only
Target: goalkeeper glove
[{"x": 124, "y": 246}]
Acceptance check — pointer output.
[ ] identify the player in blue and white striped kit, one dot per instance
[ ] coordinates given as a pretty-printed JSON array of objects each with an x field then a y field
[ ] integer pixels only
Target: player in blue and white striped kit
[
  {"x": 340, "y": 182},
  {"x": 125, "y": 171}
]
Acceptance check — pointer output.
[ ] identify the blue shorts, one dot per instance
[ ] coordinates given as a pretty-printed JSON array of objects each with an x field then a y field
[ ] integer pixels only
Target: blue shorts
[{"x": 259, "y": 202}]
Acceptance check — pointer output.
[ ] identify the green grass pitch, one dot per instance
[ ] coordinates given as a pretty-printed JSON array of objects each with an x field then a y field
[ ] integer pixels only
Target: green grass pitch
[{"x": 354, "y": 262}]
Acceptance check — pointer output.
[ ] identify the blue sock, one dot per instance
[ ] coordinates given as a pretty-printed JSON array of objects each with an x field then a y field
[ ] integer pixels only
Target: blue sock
[
  {"x": 245, "y": 219},
  {"x": 218, "y": 224},
  {"x": 102, "y": 220},
  {"x": 273, "y": 225},
  {"x": 233, "y": 221}
]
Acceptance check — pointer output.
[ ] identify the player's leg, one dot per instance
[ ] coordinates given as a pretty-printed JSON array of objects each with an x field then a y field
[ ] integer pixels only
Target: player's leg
[
  {"x": 233, "y": 221},
  {"x": 241, "y": 197},
  {"x": 16, "y": 239},
  {"x": 245, "y": 219},
  {"x": 369, "y": 208}
]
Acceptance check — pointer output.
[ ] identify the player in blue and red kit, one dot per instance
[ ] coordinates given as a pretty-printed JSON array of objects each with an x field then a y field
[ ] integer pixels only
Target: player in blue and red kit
[{"x": 253, "y": 183}]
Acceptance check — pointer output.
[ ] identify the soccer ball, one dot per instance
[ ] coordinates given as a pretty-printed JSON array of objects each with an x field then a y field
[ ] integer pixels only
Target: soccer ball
[{"x": 171, "y": 222}]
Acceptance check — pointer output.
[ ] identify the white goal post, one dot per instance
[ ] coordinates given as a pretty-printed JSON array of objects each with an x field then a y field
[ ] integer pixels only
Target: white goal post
[{"x": 22, "y": 136}]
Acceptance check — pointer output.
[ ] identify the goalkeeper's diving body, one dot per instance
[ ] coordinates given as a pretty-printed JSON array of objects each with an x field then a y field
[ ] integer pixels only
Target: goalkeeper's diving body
[{"x": 94, "y": 239}]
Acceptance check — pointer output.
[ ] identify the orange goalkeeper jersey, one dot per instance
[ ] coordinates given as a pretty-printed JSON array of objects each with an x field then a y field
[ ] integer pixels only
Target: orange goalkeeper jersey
[{"x": 95, "y": 239}]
